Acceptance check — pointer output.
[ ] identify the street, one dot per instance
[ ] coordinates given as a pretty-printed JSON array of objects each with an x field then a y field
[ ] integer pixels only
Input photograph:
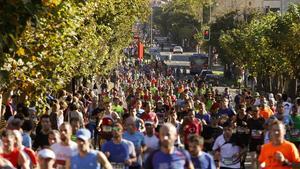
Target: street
[{"x": 93, "y": 84}]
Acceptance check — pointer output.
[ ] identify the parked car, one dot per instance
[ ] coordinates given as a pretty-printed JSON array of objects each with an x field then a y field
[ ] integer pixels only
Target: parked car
[{"x": 177, "y": 49}]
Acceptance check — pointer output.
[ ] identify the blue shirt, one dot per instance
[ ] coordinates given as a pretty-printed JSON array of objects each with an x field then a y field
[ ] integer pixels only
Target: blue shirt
[
  {"x": 204, "y": 161},
  {"x": 228, "y": 111},
  {"x": 118, "y": 152},
  {"x": 27, "y": 142},
  {"x": 90, "y": 161},
  {"x": 286, "y": 120},
  {"x": 138, "y": 141},
  {"x": 137, "y": 138},
  {"x": 179, "y": 159},
  {"x": 205, "y": 117}
]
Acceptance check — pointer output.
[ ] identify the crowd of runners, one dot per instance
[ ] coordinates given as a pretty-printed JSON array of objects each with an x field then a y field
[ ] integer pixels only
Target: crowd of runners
[{"x": 142, "y": 116}]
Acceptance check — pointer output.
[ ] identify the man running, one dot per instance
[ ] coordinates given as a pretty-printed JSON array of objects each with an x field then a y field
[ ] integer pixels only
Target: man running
[
  {"x": 46, "y": 159},
  {"x": 228, "y": 149},
  {"x": 120, "y": 152},
  {"x": 86, "y": 157},
  {"x": 278, "y": 153},
  {"x": 168, "y": 156},
  {"x": 200, "y": 159},
  {"x": 137, "y": 138},
  {"x": 66, "y": 148}
]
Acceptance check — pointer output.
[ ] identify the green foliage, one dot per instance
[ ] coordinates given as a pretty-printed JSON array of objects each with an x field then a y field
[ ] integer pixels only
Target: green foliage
[
  {"x": 180, "y": 19},
  {"x": 268, "y": 45},
  {"x": 44, "y": 48}
]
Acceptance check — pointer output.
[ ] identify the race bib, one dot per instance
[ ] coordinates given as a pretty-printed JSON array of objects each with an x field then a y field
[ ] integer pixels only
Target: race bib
[
  {"x": 256, "y": 134},
  {"x": 227, "y": 160},
  {"x": 118, "y": 165},
  {"x": 241, "y": 130}
]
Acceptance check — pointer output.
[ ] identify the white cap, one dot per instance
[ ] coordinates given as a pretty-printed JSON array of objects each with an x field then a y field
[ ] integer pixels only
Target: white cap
[{"x": 46, "y": 153}]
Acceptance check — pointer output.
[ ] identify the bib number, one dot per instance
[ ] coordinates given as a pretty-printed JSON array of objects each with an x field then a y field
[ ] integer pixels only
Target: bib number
[
  {"x": 118, "y": 165},
  {"x": 227, "y": 160},
  {"x": 256, "y": 134}
]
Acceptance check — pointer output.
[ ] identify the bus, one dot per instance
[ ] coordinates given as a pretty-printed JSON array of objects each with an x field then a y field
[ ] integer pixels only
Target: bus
[{"x": 197, "y": 63}]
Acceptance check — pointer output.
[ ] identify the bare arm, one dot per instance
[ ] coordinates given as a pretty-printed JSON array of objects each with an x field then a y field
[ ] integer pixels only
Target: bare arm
[
  {"x": 190, "y": 166},
  {"x": 22, "y": 161},
  {"x": 68, "y": 164},
  {"x": 104, "y": 161}
]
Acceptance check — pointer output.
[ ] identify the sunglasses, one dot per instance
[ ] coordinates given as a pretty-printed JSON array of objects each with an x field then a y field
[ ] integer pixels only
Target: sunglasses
[{"x": 116, "y": 129}]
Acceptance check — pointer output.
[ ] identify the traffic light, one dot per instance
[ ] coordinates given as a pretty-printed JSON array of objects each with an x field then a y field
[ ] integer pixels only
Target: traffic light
[{"x": 206, "y": 35}]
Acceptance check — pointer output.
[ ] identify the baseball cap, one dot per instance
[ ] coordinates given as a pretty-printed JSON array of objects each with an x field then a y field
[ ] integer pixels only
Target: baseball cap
[
  {"x": 83, "y": 134},
  {"x": 46, "y": 153}
]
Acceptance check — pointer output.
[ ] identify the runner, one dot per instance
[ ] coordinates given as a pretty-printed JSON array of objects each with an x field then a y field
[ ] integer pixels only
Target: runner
[
  {"x": 46, "y": 159},
  {"x": 190, "y": 126},
  {"x": 279, "y": 153},
  {"x": 12, "y": 153},
  {"x": 41, "y": 139},
  {"x": 120, "y": 152},
  {"x": 295, "y": 130},
  {"x": 256, "y": 126},
  {"x": 151, "y": 140},
  {"x": 137, "y": 138},
  {"x": 227, "y": 148},
  {"x": 149, "y": 115},
  {"x": 200, "y": 159},
  {"x": 66, "y": 148},
  {"x": 211, "y": 132},
  {"x": 168, "y": 156},
  {"x": 87, "y": 158}
]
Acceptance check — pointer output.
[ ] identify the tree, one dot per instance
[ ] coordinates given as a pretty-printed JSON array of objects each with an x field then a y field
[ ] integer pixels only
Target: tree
[
  {"x": 268, "y": 47},
  {"x": 60, "y": 41},
  {"x": 181, "y": 19}
]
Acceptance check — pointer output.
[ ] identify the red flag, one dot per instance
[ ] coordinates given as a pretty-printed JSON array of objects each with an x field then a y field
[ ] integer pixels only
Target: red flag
[{"x": 141, "y": 51}]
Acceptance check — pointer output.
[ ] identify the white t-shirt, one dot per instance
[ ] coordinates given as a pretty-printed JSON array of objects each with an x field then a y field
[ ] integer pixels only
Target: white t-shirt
[
  {"x": 131, "y": 147},
  {"x": 227, "y": 151},
  {"x": 287, "y": 108},
  {"x": 63, "y": 153},
  {"x": 60, "y": 120},
  {"x": 151, "y": 142}
]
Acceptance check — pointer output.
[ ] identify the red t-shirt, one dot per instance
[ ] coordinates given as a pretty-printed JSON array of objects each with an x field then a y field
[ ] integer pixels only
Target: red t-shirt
[
  {"x": 192, "y": 127},
  {"x": 12, "y": 157}
]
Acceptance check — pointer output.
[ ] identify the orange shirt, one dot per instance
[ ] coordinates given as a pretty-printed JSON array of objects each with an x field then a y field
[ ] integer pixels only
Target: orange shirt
[
  {"x": 267, "y": 155},
  {"x": 265, "y": 113}
]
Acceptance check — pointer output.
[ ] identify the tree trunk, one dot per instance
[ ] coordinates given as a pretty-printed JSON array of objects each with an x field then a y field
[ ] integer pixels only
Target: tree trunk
[
  {"x": 292, "y": 88},
  {"x": 73, "y": 85}
]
